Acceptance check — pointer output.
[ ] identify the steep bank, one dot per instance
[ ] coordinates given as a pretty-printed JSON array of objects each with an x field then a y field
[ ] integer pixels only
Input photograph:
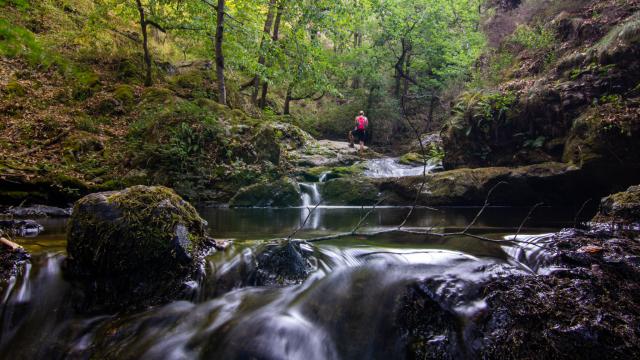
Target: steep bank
[{"x": 561, "y": 90}]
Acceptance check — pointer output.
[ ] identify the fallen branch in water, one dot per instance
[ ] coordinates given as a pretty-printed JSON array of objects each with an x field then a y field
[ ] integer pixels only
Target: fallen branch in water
[{"x": 302, "y": 225}]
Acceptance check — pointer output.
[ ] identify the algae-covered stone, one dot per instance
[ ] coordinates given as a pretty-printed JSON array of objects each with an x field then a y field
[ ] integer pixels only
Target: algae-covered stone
[
  {"x": 622, "y": 207},
  {"x": 281, "y": 193},
  {"x": 148, "y": 229},
  {"x": 134, "y": 247},
  {"x": 267, "y": 145},
  {"x": 349, "y": 191},
  {"x": 549, "y": 183}
]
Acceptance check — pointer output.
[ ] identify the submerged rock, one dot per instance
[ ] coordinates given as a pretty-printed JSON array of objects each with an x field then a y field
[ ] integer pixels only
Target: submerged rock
[
  {"x": 621, "y": 208},
  {"x": 281, "y": 264},
  {"x": 281, "y": 193},
  {"x": 21, "y": 227},
  {"x": 135, "y": 246},
  {"x": 38, "y": 211}
]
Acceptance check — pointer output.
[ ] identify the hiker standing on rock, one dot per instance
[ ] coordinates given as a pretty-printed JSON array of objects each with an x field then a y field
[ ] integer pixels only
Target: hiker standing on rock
[{"x": 360, "y": 131}]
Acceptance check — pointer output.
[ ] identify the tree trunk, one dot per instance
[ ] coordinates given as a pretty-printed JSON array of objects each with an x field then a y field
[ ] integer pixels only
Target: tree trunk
[
  {"x": 287, "y": 100},
  {"x": 261, "y": 59},
  {"x": 357, "y": 41},
  {"x": 276, "y": 34},
  {"x": 148, "y": 81},
  {"x": 222, "y": 89},
  {"x": 407, "y": 68}
]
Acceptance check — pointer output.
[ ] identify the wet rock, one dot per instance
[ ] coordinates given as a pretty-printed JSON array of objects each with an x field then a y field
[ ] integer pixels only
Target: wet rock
[
  {"x": 620, "y": 208},
  {"x": 586, "y": 307},
  {"x": 349, "y": 191},
  {"x": 38, "y": 211},
  {"x": 551, "y": 183},
  {"x": 21, "y": 227},
  {"x": 12, "y": 258},
  {"x": 281, "y": 264},
  {"x": 590, "y": 310},
  {"x": 427, "y": 329},
  {"x": 134, "y": 247},
  {"x": 281, "y": 193}
]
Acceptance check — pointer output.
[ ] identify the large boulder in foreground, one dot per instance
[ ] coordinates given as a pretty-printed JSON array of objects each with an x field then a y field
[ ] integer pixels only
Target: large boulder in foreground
[
  {"x": 620, "y": 208},
  {"x": 280, "y": 193},
  {"x": 135, "y": 246}
]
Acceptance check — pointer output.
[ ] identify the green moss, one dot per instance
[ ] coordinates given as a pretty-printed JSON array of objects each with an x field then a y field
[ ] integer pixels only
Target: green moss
[
  {"x": 124, "y": 93},
  {"x": 412, "y": 158},
  {"x": 132, "y": 230},
  {"x": 14, "y": 88},
  {"x": 349, "y": 191},
  {"x": 157, "y": 95},
  {"x": 281, "y": 193},
  {"x": 80, "y": 142},
  {"x": 193, "y": 84},
  {"x": 85, "y": 84}
]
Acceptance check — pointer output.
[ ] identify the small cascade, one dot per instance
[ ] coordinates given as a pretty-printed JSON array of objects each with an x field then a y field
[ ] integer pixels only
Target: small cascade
[
  {"x": 391, "y": 167},
  {"x": 310, "y": 194}
]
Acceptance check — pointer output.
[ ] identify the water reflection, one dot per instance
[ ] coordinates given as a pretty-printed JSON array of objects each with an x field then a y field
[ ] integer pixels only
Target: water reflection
[{"x": 261, "y": 223}]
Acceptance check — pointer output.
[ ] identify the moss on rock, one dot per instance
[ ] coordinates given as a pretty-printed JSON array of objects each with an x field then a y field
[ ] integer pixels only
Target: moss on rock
[
  {"x": 138, "y": 245},
  {"x": 281, "y": 193},
  {"x": 349, "y": 191},
  {"x": 622, "y": 207}
]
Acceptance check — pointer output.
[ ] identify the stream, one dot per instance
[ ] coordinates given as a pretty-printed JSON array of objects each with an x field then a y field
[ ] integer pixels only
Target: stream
[{"x": 346, "y": 309}]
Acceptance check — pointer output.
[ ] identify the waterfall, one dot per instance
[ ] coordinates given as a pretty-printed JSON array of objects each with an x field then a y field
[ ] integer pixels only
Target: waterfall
[{"x": 310, "y": 194}]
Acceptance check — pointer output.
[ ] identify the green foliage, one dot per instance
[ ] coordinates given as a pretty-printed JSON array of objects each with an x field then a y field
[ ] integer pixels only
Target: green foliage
[
  {"x": 124, "y": 93},
  {"x": 533, "y": 38},
  {"x": 535, "y": 143},
  {"x": 176, "y": 138},
  {"x": 20, "y": 4}
]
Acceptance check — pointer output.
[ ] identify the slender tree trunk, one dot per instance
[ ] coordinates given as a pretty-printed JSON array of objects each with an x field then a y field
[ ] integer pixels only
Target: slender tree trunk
[
  {"x": 261, "y": 60},
  {"x": 357, "y": 41},
  {"x": 222, "y": 89},
  {"x": 276, "y": 34},
  {"x": 148, "y": 81},
  {"x": 407, "y": 68},
  {"x": 287, "y": 99}
]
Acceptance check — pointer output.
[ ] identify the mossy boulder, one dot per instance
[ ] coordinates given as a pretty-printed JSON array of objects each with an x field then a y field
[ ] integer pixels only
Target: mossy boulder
[
  {"x": 604, "y": 142},
  {"x": 281, "y": 193},
  {"x": 135, "y": 246},
  {"x": 124, "y": 93},
  {"x": 550, "y": 183},
  {"x": 267, "y": 145},
  {"x": 79, "y": 143},
  {"x": 349, "y": 191},
  {"x": 621, "y": 208},
  {"x": 412, "y": 158}
]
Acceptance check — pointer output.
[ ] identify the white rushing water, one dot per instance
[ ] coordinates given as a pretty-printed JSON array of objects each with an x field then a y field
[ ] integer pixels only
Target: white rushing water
[
  {"x": 391, "y": 167},
  {"x": 310, "y": 194}
]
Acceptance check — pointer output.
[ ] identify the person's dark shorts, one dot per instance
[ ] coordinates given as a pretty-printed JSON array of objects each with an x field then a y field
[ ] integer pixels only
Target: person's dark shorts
[{"x": 360, "y": 135}]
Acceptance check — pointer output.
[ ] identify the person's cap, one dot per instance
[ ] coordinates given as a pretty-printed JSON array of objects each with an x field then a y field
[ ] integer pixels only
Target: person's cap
[{"x": 361, "y": 112}]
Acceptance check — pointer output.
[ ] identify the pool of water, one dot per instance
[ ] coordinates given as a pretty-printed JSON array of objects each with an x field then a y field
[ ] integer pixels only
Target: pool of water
[{"x": 346, "y": 309}]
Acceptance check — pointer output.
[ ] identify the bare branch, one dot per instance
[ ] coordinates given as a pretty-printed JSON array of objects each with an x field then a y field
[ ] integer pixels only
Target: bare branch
[
  {"x": 311, "y": 211},
  {"x": 486, "y": 204},
  {"x": 533, "y": 208},
  {"x": 577, "y": 217}
]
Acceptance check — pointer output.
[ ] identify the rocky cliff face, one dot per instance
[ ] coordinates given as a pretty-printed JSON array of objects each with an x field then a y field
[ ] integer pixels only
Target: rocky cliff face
[{"x": 570, "y": 92}]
